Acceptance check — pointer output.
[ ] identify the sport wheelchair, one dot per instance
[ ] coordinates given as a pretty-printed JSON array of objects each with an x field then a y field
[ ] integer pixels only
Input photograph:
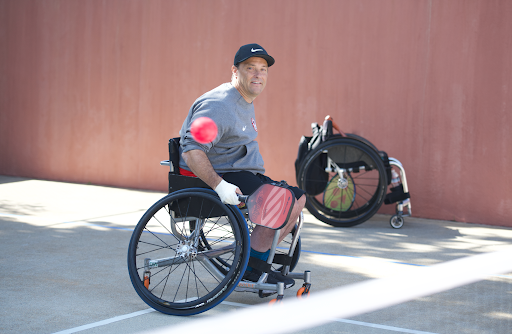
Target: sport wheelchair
[
  {"x": 189, "y": 251},
  {"x": 346, "y": 177}
]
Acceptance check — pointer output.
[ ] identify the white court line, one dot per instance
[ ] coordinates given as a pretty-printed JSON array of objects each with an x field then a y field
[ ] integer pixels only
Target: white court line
[
  {"x": 149, "y": 310},
  {"x": 105, "y": 322},
  {"x": 353, "y": 322},
  {"x": 389, "y": 328}
]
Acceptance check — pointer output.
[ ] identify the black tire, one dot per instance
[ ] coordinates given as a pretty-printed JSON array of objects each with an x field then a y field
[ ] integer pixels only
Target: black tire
[
  {"x": 364, "y": 140},
  {"x": 396, "y": 221},
  {"x": 356, "y": 199},
  {"x": 204, "y": 264}
]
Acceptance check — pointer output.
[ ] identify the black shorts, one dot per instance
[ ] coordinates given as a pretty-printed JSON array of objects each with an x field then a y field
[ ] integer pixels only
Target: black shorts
[{"x": 249, "y": 182}]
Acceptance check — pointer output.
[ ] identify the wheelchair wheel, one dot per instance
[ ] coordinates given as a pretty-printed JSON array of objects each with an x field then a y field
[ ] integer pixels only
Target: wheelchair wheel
[
  {"x": 396, "y": 221},
  {"x": 364, "y": 140},
  {"x": 345, "y": 182},
  {"x": 188, "y": 252}
]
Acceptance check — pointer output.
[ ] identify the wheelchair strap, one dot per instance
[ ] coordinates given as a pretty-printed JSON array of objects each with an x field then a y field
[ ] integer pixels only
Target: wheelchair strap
[
  {"x": 282, "y": 259},
  {"x": 258, "y": 264},
  {"x": 263, "y": 266}
]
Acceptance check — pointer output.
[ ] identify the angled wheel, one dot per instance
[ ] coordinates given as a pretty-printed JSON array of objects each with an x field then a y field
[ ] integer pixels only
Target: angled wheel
[
  {"x": 345, "y": 182},
  {"x": 396, "y": 221},
  {"x": 303, "y": 292},
  {"x": 275, "y": 301},
  {"x": 188, "y": 252}
]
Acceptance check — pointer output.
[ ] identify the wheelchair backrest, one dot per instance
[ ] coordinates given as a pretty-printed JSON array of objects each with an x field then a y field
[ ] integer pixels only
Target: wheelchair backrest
[
  {"x": 174, "y": 155},
  {"x": 177, "y": 181},
  {"x": 191, "y": 206}
]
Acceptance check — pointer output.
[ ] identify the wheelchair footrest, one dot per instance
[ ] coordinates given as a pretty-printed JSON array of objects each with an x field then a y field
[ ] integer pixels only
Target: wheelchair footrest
[
  {"x": 259, "y": 264},
  {"x": 268, "y": 289}
]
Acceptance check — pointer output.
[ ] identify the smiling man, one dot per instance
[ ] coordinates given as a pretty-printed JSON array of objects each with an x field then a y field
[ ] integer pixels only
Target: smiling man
[
  {"x": 232, "y": 164},
  {"x": 250, "y": 77}
]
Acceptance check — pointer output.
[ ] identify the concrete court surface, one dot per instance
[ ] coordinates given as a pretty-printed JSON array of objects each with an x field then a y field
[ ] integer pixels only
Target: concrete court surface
[{"x": 63, "y": 266}]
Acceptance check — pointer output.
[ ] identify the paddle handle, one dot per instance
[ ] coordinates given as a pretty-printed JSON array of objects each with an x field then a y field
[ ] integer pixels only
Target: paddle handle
[{"x": 243, "y": 198}]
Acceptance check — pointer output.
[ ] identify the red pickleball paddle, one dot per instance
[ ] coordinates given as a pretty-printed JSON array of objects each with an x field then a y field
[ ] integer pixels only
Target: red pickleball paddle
[{"x": 269, "y": 206}]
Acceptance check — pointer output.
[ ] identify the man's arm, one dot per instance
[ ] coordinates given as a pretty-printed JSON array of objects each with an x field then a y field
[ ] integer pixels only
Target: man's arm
[{"x": 201, "y": 166}]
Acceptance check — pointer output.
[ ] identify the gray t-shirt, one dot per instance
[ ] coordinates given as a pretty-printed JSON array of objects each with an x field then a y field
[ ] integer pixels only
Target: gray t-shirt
[{"x": 235, "y": 148}]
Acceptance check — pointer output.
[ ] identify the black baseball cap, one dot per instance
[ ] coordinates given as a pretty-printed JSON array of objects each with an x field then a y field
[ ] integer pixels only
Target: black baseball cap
[{"x": 252, "y": 50}]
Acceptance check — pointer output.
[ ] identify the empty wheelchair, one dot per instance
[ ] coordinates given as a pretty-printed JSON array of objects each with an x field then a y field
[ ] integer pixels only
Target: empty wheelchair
[
  {"x": 346, "y": 177},
  {"x": 189, "y": 251}
]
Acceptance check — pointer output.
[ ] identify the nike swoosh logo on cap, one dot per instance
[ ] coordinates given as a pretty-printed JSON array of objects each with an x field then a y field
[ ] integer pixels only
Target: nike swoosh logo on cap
[{"x": 255, "y": 50}]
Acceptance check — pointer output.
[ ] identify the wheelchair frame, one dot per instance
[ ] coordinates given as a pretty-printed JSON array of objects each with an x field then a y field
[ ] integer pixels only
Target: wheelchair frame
[
  {"x": 190, "y": 206},
  {"x": 397, "y": 220}
]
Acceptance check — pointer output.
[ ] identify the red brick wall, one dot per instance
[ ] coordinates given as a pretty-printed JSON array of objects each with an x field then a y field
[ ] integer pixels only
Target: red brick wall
[{"x": 90, "y": 90}]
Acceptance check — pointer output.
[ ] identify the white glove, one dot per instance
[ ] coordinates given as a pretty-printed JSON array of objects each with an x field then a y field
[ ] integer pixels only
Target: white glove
[{"x": 227, "y": 193}]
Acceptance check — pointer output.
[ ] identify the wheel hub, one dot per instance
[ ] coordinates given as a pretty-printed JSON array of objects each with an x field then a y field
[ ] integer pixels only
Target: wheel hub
[
  {"x": 342, "y": 183},
  {"x": 186, "y": 250}
]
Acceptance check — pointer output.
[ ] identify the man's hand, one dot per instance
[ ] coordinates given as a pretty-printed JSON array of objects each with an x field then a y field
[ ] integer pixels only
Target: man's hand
[{"x": 228, "y": 193}]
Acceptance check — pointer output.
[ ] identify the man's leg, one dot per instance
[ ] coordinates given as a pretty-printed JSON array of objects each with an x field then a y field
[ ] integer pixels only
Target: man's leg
[{"x": 261, "y": 237}]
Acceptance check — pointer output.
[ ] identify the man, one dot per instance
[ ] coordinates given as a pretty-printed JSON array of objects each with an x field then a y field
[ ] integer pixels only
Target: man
[{"x": 232, "y": 163}]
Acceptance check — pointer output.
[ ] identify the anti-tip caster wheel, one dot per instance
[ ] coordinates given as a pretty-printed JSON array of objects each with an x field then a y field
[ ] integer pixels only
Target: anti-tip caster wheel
[
  {"x": 396, "y": 221},
  {"x": 275, "y": 301},
  {"x": 280, "y": 294},
  {"x": 303, "y": 292}
]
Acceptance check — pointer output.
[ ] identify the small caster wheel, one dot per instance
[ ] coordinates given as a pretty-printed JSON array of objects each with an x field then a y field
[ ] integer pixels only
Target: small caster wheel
[
  {"x": 396, "y": 221},
  {"x": 303, "y": 292},
  {"x": 277, "y": 300},
  {"x": 280, "y": 294}
]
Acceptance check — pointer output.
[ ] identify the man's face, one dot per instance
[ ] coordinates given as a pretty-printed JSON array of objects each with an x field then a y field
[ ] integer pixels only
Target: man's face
[{"x": 251, "y": 77}]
